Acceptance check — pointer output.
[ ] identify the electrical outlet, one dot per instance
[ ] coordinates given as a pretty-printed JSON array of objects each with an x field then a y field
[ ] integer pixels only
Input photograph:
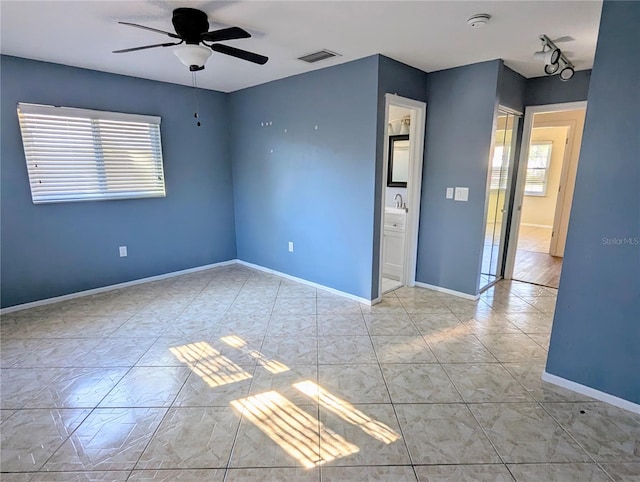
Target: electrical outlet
[
  {"x": 123, "y": 251},
  {"x": 291, "y": 246}
]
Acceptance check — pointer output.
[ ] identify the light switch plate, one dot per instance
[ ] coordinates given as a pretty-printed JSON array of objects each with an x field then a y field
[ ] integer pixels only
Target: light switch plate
[
  {"x": 449, "y": 193},
  {"x": 123, "y": 251},
  {"x": 462, "y": 194}
]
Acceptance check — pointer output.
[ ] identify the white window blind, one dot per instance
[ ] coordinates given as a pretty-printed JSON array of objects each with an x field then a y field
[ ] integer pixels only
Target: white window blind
[
  {"x": 500, "y": 166},
  {"x": 81, "y": 155},
  {"x": 538, "y": 168}
]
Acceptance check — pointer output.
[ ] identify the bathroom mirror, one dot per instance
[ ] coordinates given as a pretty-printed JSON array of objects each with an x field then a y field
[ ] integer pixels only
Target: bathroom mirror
[{"x": 398, "y": 161}]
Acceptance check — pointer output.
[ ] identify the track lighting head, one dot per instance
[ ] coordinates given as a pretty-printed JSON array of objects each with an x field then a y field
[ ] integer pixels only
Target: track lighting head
[
  {"x": 551, "y": 68},
  {"x": 567, "y": 72},
  {"x": 548, "y": 56}
]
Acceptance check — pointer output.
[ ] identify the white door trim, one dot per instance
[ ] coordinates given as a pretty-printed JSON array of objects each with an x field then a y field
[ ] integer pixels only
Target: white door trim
[
  {"x": 529, "y": 112},
  {"x": 414, "y": 185},
  {"x": 517, "y": 118},
  {"x": 571, "y": 126}
]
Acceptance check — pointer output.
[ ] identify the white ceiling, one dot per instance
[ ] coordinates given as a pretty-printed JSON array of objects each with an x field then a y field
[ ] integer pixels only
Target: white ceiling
[{"x": 428, "y": 35}]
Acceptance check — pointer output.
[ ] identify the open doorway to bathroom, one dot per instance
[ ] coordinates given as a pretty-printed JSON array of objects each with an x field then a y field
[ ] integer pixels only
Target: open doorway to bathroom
[
  {"x": 395, "y": 197},
  {"x": 544, "y": 192},
  {"x": 401, "y": 185}
]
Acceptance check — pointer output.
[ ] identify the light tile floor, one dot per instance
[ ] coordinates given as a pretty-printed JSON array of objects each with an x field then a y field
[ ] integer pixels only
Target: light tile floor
[
  {"x": 389, "y": 284},
  {"x": 232, "y": 374}
]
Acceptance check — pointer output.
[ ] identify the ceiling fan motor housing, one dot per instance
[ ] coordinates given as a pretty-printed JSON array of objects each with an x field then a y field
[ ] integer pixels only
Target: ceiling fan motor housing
[{"x": 190, "y": 24}]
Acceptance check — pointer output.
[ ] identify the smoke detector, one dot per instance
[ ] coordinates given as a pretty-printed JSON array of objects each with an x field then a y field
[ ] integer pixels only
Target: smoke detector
[{"x": 479, "y": 20}]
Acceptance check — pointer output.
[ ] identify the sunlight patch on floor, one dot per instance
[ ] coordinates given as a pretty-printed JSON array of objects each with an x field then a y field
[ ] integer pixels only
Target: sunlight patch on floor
[
  {"x": 348, "y": 412},
  {"x": 272, "y": 366},
  {"x": 209, "y": 364},
  {"x": 293, "y": 429}
]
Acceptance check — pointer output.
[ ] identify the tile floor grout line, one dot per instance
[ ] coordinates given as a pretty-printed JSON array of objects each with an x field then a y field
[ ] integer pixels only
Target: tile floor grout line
[
  {"x": 169, "y": 407},
  {"x": 241, "y": 419},
  {"x": 510, "y": 472},
  {"x": 493, "y": 445},
  {"x": 564, "y": 429},
  {"x": 255, "y": 368},
  {"x": 91, "y": 411},
  {"x": 395, "y": 413},
  {"x": 466, "y": 404},
  {"x": 321, "y": 466}
]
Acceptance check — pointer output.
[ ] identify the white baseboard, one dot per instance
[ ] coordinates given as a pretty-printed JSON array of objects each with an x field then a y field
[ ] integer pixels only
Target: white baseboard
[
  {"x": 591, "y": 392},
  {"x": 103, "y": 289},
  {"x": 460, "y": 294},
  {"x": 536, "y": 225},
  {"x": 308, "y": 283}
]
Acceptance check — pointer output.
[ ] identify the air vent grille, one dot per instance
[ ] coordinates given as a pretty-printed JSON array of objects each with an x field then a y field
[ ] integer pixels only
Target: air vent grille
[{"x": 318, "y": 56}]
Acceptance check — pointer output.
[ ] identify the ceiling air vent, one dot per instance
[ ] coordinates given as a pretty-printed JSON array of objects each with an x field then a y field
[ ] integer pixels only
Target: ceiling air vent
[{"x": 318, "y": 56}]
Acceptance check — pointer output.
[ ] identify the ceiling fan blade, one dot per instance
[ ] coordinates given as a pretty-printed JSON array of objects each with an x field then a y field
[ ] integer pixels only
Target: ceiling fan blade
[
  {"x": 172, "y": 35},
  {"x": 145, "y": 47},
  {"x": 566, "y": 38},
  {"x": 230, "y": 33},
  {"x": 239, "y": 53}
]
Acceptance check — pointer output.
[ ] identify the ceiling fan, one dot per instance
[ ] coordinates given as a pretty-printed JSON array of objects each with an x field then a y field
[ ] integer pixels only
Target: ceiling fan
[{"x": 196, "y": 42}]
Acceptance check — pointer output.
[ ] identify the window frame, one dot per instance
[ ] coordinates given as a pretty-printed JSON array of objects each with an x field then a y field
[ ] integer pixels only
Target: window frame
[
  {"x": 125, "y": 150},
  {"x": 545, "y": 182}
]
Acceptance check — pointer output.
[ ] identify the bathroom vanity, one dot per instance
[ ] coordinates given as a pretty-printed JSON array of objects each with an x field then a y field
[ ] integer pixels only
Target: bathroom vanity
[{"x": 393, "y": 242}]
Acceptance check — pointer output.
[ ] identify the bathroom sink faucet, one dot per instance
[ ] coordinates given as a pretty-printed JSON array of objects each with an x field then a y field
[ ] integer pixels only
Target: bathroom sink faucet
[{"x": 398, "y": 203}]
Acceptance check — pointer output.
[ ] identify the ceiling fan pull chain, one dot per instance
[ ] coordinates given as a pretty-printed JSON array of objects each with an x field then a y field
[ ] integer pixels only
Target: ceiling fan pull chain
[{"x": 195, "y": 96}]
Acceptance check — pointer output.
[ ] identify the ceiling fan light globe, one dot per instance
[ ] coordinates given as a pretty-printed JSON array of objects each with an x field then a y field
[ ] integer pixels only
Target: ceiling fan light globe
[{"x": 191, "y": 55}]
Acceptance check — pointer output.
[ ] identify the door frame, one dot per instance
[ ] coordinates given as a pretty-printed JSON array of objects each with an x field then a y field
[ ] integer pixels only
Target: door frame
[
  {"x": 529, "y": 112},
  {"x": 507, "y": 201},
  {"x": 571, "y": 126},
  {"x": 414, "y": 186}
]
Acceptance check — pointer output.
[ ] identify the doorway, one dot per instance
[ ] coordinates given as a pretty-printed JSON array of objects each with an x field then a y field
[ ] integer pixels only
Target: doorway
[
  {"x": 544, "y": 192},
  {"x": 498, "y": 188},
  {"x": 401, "y": 186}
]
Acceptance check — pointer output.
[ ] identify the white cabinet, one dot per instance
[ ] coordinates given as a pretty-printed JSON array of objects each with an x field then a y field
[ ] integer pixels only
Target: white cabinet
[{"x": 393, "y": 244}]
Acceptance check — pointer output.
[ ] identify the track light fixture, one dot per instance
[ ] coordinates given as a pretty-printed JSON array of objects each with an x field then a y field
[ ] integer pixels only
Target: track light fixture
[
  {"x": 554, "y": 59},
  {"x": 548, "y": 55},
  {"x": 551, "y": 68},
  {"x": 567, "y": 70}
]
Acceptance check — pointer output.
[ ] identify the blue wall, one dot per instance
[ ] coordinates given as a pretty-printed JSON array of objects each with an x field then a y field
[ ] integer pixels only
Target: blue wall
[
  {"x": 511, "y": 89},
  {"x": 55, "y": 249},
  {"x": 393, "y": 78},
  {"x": 596, "y": 330},
  {"x": 460, "y": 114},
  {"x": 551, "y": 90},
  {"x": 317, "y": 186}
]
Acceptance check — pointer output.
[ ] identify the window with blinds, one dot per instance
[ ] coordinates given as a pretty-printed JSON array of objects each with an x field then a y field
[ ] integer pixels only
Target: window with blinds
[
  {"x": 83, "y": 155},
  {"x": 538, "y": 169}
]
